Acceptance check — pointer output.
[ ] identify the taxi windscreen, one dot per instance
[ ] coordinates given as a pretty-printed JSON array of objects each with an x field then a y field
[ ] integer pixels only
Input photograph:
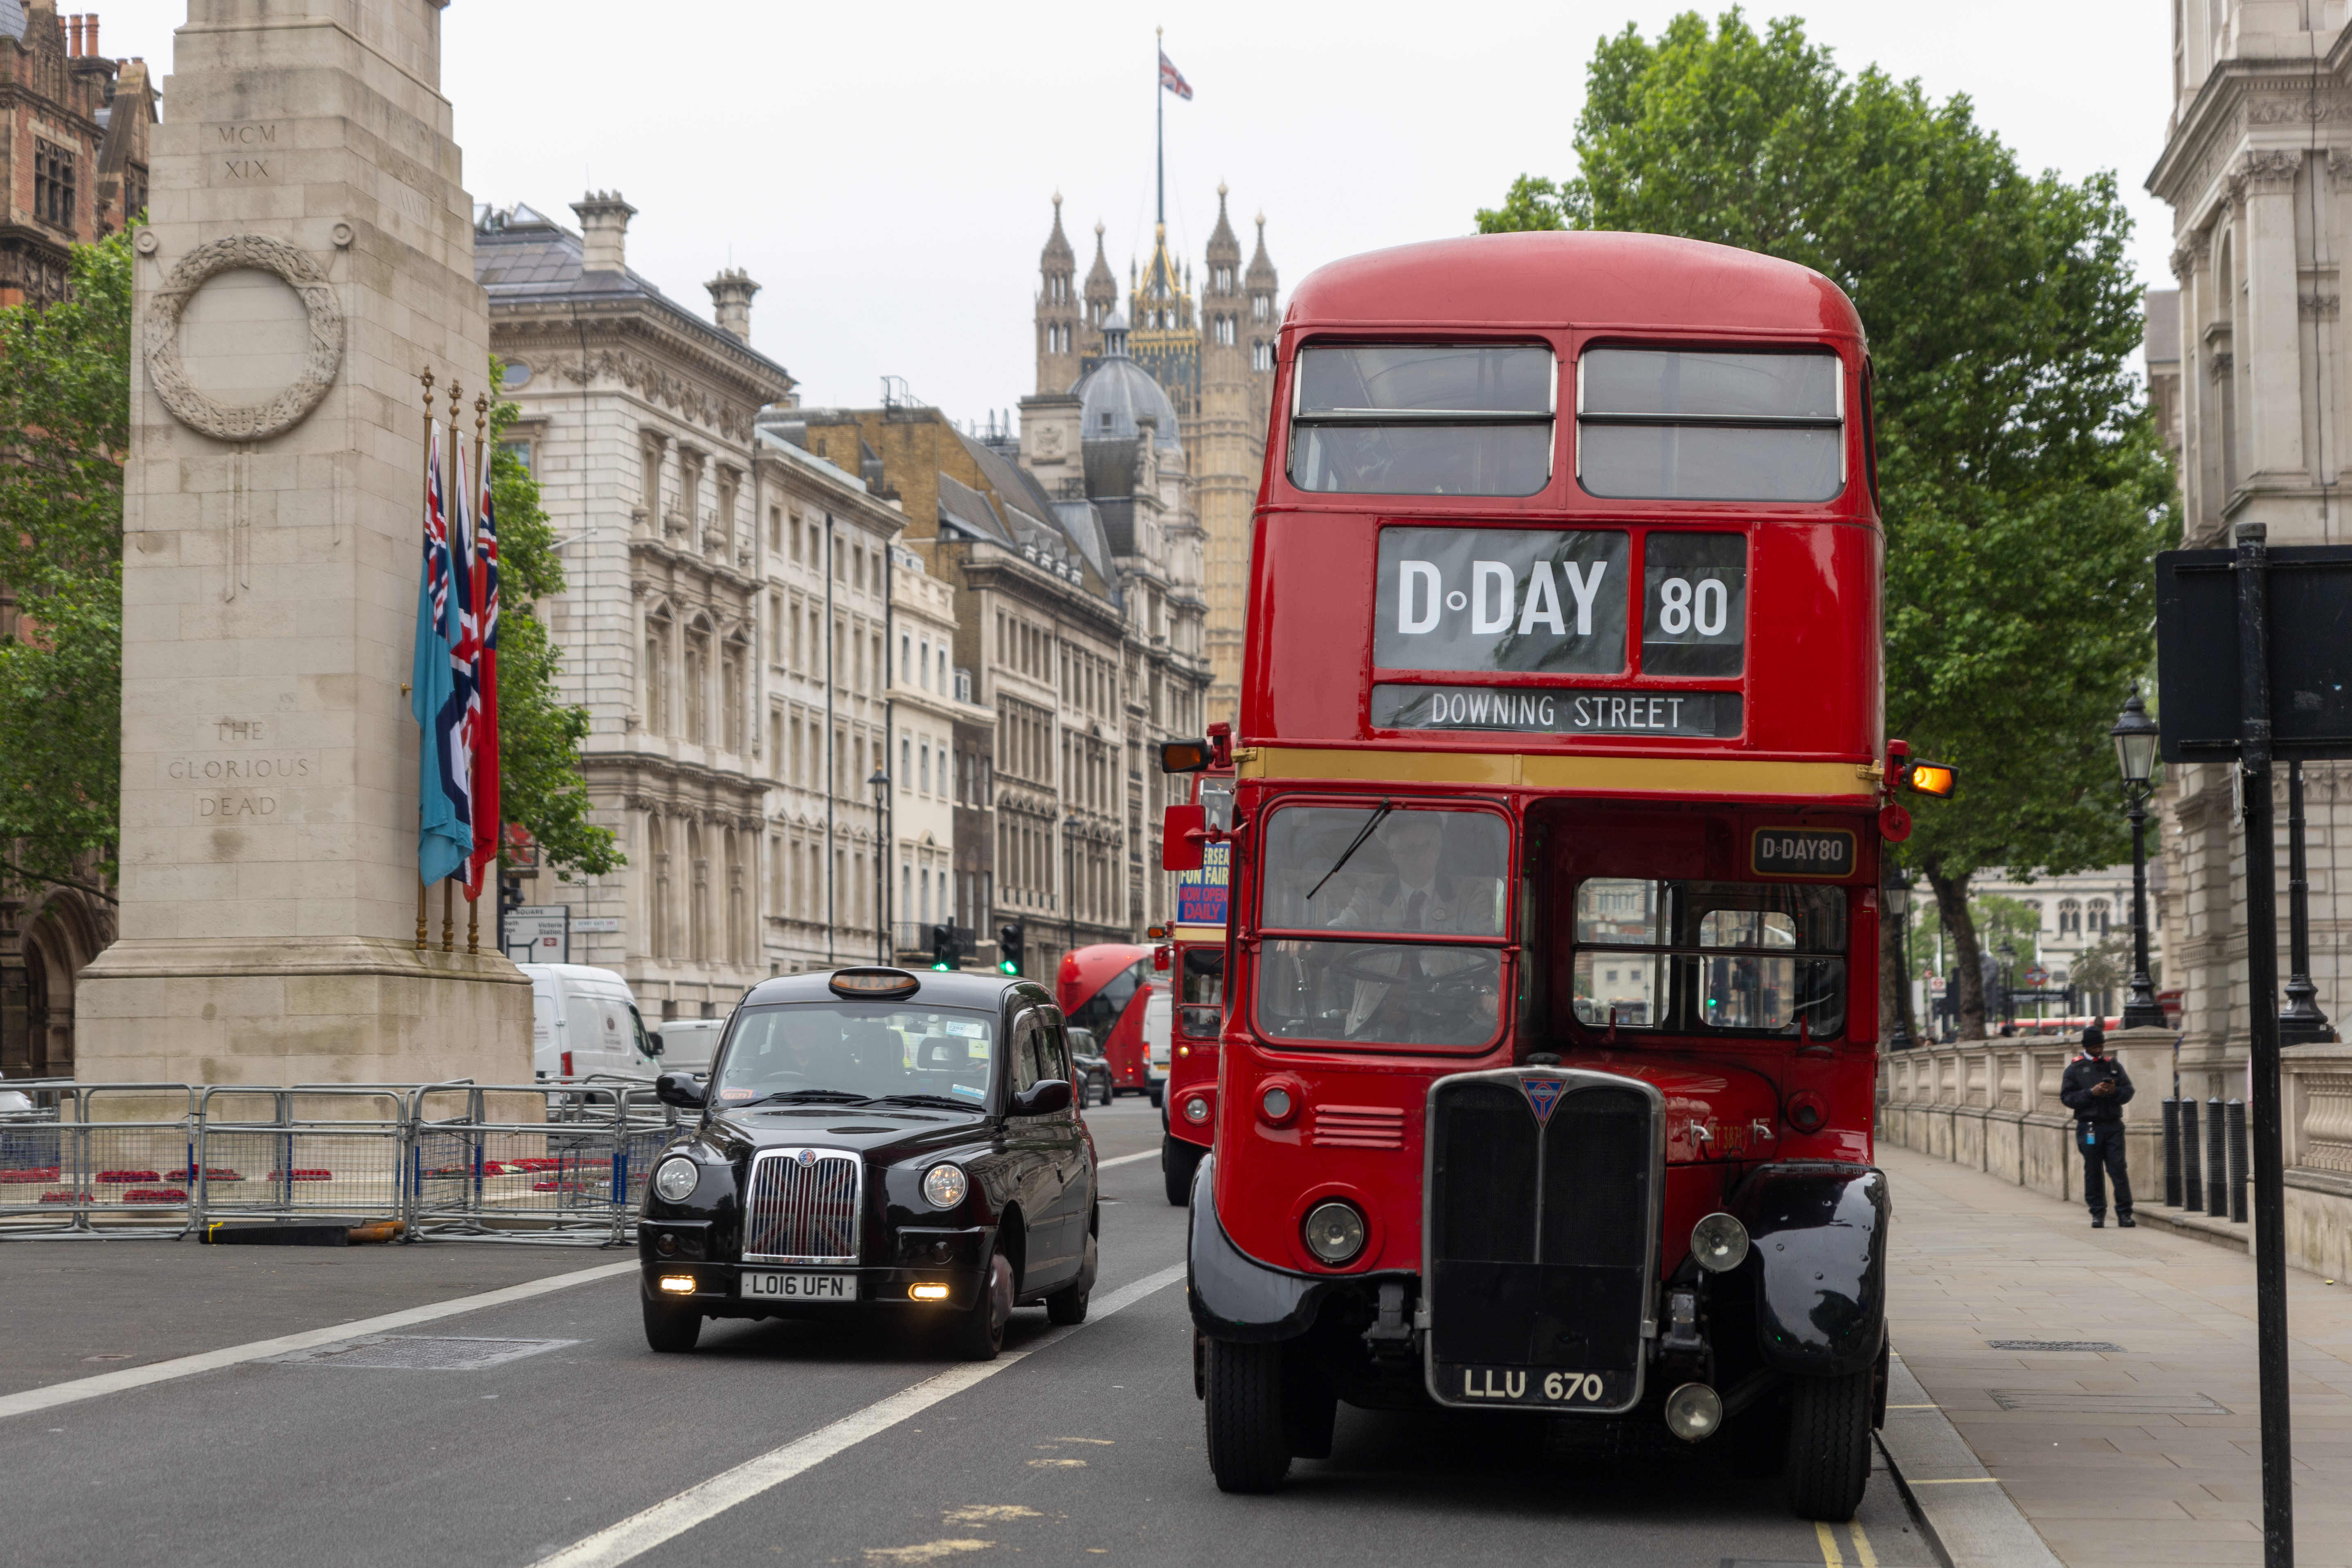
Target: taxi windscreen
[{"x": 842, "y": 1051}]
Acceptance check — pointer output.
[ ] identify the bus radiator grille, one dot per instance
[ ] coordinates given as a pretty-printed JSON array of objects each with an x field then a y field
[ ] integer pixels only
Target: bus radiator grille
[{"x": 1358, "y": 1127}]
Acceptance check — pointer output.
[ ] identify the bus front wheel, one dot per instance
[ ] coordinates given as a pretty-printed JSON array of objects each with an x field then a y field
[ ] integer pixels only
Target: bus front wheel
[
  {"x": 1249, "y": 1444},
  {"x": 1828, "y": 1460},
  {"x": 1177, "y": 1161}
]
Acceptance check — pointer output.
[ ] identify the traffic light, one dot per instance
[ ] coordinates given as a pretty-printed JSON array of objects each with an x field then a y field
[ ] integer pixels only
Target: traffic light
[
  {"x": 943, "y": 948},
  {"x": 1008, "y": 947}
]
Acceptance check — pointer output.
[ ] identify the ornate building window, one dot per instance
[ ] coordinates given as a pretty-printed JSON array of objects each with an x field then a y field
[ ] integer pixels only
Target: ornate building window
[
  {"x": 2069, "y": 917},
  {"x": 723, "y": 524},
  {"x": 659, "y": 927},
  {"x": 1261, "y": 356},
  {"x": 697, "y": 913},
  {"x": 53, "y": 183},
  {"x": 2098, "y": 917},
  {"x": 649, "y": 473},
  {"x": 730, "y": 686},
  {"x": 656, "y": 675}
]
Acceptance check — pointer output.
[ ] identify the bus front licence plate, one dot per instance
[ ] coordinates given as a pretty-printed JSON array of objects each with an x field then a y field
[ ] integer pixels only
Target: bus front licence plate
[
  {"x": 801, "y": 1287},
  {"x": 1529, "y": 1386}
]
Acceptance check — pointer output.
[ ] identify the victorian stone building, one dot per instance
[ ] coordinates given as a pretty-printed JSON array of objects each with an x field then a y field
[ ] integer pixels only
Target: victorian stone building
[
  {"x": 75, "y": 157},
  {"x": 1212, "y": 354},
  {"x": 2254, "y": 375}
]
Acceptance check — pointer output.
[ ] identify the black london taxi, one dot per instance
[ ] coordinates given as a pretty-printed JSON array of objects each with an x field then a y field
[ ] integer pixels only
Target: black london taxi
[{"x": 876, "y": 1140}]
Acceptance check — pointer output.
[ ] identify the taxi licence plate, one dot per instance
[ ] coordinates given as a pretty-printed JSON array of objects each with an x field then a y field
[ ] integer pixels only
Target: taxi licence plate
[{"x": 800, "y": 1287}]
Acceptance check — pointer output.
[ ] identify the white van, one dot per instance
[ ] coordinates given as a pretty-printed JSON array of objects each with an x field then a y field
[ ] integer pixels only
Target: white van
[
  {"x": 689, "y": 1043},
  {"x": 1159, "y": 1018},
  {"x": 586, "y": 1020}
]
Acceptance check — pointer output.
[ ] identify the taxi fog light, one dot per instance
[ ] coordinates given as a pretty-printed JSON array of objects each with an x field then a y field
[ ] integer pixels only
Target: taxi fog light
[
  {"x": 1693, "y": 1412},
  {"x": 665, "y": 1243},
  {"x": 944, "y": 1186},
  {"x": 1718, "y": 1243},
  {"x": 677, "y": 1284},
  {"x": 1335, "y": 1232},
  {"x": 677, "y": 1179},
  {"x": 1196, "y": 1109},
  {"x": 928, "y": 1292}
]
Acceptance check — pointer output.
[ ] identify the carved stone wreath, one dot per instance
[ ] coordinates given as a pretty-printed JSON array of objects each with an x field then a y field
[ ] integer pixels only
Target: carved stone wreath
[{"x": 324, "y": 358}]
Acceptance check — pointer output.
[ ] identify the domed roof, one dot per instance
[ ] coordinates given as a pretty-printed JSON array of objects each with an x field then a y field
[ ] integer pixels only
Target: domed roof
[{"x": 1116, "y": 395}]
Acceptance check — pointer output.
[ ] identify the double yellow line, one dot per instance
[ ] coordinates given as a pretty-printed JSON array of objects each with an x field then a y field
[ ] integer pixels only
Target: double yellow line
[{"x": 1831, "y": 1557}]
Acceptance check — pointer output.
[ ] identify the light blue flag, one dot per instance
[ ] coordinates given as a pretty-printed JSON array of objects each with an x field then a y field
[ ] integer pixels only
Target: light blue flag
[{"x": 443, "y": 840}]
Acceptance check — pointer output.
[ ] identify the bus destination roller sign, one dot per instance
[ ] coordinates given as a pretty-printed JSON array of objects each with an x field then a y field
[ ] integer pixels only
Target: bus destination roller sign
[
  {"x": 1698, "y": 714},
  {"x": 1826, "y": 852}
]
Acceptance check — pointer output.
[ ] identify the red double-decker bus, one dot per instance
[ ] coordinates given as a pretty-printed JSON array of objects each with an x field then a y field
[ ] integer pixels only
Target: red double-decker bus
[
  {"x": 1106, "y": 987},
  {"x": 1195, "y": 958},
  {"x": 1546, "y": 1071}
]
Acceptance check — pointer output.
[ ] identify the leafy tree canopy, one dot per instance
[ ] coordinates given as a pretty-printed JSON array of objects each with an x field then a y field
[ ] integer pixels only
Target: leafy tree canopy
[{"x": 2022, "y": 484}]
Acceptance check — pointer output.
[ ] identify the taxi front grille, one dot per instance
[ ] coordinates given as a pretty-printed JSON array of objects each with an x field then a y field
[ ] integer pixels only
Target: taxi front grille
[{"x": 802, "y": 1206}]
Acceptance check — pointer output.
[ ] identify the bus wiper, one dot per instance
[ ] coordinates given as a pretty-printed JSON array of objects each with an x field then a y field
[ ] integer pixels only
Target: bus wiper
[
  {"x": 1353, "y": 844},
  {"x": 830, "y": 1096}
]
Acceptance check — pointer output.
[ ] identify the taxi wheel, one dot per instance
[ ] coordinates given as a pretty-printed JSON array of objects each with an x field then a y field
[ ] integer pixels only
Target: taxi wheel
[
  {"x": 1828, "y": 1463},
  {"x": 1068, "y": 1305},
  {"x": 979, "y": 1332},
  {"x": 670, "y": 1329},
  {"x": 1249, "y": 1444}
]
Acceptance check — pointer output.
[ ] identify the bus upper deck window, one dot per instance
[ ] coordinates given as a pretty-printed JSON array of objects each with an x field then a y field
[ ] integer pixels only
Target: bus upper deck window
[
  {"x": 1423, "y": 419},
  {"x": 1679, "y": 425}
]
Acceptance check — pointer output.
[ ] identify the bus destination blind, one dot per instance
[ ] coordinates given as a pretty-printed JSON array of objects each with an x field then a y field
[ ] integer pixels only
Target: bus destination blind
[{"x": 1701, "y": 715}]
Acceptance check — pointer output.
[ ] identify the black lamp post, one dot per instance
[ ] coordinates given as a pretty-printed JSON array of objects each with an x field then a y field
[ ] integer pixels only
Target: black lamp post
[
  {"x": 2007, "y": 982},
  {"x": 1896, "y": 896},
  {"x": 880, "y": 781},
  {"x": 2134, "y": 736},
  {"x": 1070, "y": 826},
  {"x": 2300, "y": 1021}
]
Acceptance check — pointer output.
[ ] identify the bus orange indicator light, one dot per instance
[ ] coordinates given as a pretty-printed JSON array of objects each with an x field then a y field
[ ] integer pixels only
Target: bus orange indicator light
[{"x": 1931, "y": 778}]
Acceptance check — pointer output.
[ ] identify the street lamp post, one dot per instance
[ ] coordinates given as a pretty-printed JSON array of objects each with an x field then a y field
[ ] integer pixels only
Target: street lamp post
[
  {"x": 2300, "y": 1021},
  {"x": 880, "y": 781},
  {"x": 1070, "y": 877},
  {"x": 1896, "y": 897},
  {"x": 2135, "y": 735},
  {"x": 2007, "y": 982}
]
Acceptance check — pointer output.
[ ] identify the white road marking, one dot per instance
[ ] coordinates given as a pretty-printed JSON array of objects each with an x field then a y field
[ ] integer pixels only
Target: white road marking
[
  {"x": 1126, "y": 1159},
  {"x": 641, "y": 1533},
  {"x": 82, "y": 1388}
]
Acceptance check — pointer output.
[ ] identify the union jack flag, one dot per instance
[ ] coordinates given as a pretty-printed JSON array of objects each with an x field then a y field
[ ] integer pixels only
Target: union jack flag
[
  {"x": 486, "y": 815},
  {"x": 463, "y": 627},
  {"x": 1171, "y": 79}
]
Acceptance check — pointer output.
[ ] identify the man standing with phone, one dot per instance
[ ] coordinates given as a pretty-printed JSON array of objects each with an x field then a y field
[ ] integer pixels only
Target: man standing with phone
[{"x": 2096, "y": 1088}]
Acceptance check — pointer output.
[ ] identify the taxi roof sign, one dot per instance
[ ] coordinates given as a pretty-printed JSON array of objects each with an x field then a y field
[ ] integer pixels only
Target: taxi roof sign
[{"x": 874, "y": 981}]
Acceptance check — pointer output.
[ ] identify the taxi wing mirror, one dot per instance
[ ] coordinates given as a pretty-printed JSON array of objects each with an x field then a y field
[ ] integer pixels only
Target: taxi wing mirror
[
  {"x": 1043, "y": 1098},
  {"x": 1182, "y": 833},
  {"x": 678, "y": 1088}
]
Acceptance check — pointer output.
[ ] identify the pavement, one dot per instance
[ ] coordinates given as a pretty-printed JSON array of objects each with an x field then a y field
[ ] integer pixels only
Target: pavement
[
  {"x": 2148, "y": 1452},
  {"x": 548, "y": 1433}
]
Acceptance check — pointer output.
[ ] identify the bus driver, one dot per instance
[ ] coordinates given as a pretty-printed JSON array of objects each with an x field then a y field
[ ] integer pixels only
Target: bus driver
[{"x": 1420, "y": 897}]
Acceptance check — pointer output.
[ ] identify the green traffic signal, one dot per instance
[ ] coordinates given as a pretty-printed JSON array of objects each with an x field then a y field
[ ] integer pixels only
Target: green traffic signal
[
  {"x": 942, "y": 967},
  {"x": 1007, "y": 966}
]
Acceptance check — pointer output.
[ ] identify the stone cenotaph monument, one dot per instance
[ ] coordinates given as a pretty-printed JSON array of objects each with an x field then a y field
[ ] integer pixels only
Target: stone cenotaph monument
[{"x": 310, "y": 253}]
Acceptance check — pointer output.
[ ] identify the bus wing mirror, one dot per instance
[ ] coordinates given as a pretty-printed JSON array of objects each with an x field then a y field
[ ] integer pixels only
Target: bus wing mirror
[
  {"x": 1183, "y": 756},
  {"x": 1181, "y": 835},
  {"x": 1162, "y": 956}
]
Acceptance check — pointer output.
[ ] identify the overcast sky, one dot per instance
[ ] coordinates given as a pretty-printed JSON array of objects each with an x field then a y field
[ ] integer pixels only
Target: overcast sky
[{"x": 887, "y": 173}]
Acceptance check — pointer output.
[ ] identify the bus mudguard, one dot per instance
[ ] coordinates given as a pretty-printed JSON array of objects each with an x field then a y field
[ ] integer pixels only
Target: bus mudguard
[
  {"x": 1818, "y": 1238},
  {"x": 1233, "y": 1295}
]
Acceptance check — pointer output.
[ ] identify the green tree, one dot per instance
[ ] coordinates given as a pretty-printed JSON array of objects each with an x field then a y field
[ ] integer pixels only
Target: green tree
[
  {"x": 2022, "y": 484},
  {"x": 540, "y": 781},
  {"x": 65, "y": 397}
]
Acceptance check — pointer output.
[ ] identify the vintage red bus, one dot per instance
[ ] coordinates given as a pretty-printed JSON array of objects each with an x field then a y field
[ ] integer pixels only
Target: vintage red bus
[
  {"x": 1195, "y": 960},
  {"x": 1107, "y": 987},
  {"x": 1547, "y": 1074}
]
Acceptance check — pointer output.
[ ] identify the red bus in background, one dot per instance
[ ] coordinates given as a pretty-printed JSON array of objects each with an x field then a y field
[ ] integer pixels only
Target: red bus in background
[
  {"x": 1547, "y": 1076},
  {"x": 1107, "y": 987},
  {"x": 1195, "y": 971}
]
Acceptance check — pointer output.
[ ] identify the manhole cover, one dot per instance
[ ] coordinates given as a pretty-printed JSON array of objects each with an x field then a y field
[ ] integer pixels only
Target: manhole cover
[
  {"x": 2054, "y": 1345},
  {"x": 2061, "y": 1401},
  {"x": 404, "y": 1353}
]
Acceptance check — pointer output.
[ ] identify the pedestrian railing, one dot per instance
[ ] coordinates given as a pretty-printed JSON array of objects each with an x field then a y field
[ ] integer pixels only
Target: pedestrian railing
[{"x": 562, "y": 1162}]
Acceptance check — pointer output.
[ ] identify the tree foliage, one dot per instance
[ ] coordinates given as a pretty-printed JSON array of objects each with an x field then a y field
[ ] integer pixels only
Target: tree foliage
[
  {"x": 65, "y": 400},
  {"x": 2021, "y": 483},
  {"x": 539, "y": 735}
]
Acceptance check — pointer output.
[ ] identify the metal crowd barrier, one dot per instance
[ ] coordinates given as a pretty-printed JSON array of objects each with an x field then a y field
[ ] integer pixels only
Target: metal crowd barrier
[{"x": 561, "y": 1162}]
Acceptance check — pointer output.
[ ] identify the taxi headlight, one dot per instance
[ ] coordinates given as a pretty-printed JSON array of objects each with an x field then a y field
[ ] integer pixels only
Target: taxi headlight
[
  {"x": 944, "y": 1186},
  {"x": 677, "y": 1179},
  {"x": 1335, "y": 1232},
  {"x": 1718, "y": 1243}
]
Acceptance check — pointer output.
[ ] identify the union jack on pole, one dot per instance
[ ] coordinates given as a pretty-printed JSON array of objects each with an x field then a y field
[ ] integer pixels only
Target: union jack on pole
[
  {"x": 1171, "y": 79},
  {"x": 487, "y": 816}
]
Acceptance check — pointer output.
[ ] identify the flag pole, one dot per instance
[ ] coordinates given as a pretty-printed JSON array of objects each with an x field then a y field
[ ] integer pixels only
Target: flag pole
[
  {"x": 423, "y": 922},
  {"x": 481, "y": 478},
  {"x": 1159, "y": 121},
  {"x": 448, "y": 889}
]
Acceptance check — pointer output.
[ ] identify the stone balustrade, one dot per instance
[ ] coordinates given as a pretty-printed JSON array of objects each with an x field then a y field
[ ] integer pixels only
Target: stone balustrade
[{"x": 1993, "y": 1105}]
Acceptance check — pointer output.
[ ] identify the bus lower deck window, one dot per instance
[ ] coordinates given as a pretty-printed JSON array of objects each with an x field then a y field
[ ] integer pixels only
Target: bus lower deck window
[
  {"x": 1423, "y": 419},
  {"x": 1672, "y": 425},
  {"x": 1707, "y": 957}
]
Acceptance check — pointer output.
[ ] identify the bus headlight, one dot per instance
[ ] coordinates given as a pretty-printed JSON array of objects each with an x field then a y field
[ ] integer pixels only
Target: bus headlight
[
  {"x": 1276, "y": 1105},
  {"x": 677, "y": 1179},
  {"x": 1196, "y": 1109},
  {"x": 1693, "y": 1411},
  {"x": 1718, "y": 1243},
  {"x": 944, "y": 1186},
  {"x": 1335, "y": 1232}
]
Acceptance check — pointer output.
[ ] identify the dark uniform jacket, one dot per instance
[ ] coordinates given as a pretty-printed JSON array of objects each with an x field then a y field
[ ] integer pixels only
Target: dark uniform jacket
[{"x": 2076, "y": 1088}]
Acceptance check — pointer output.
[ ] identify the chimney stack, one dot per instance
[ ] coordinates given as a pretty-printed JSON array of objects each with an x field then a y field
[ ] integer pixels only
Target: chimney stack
[
  {"x": 604, "y": 230},
  {"x": 730, "y": 301},
  {"x": 89, "y": 34},
  {"x": 73, "y": 36}
]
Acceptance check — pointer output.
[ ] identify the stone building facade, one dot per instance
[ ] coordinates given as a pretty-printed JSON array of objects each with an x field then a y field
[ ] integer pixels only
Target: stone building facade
[
  {"x": 1212, "y": 354},
  {"x": 2257, "y": 168}
]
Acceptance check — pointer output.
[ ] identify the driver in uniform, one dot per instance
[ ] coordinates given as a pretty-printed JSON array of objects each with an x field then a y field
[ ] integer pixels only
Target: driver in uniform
[{"x": 1419, "y": 897}]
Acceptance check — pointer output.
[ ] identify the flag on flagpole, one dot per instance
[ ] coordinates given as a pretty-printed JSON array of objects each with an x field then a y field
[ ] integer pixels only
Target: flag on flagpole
[
  {"x": 1171, "y": 79},
  {"x": 486, "y": 815},
  {"x": 443, "y": 840},
  {"x": 463, "y": 632}
]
